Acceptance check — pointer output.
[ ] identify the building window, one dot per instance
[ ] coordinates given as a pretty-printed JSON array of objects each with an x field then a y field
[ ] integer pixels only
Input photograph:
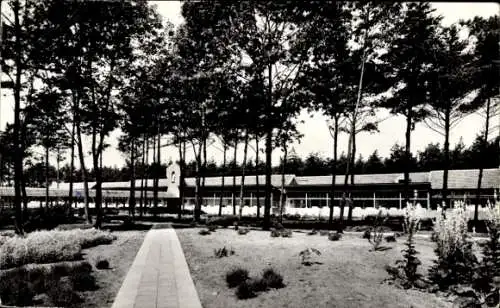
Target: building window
[{"x": 173, "y": 176}]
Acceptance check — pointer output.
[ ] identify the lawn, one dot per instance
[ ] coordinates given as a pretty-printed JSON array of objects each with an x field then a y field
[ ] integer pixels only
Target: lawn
[
  {"x": 348, "y": 274},
  {"x": 120, "y": 254}
]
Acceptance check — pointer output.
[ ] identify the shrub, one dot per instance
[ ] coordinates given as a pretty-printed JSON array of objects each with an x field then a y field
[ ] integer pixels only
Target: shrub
[
  {"x": 246, "y": 289},
  {"x": 323, "y": 232},
  {"x": 61, "y": 292},
  {"x": 236, "y": 276},
  {"x": 286, "y": 233},
  {"x": 377, "y": 230},
  {"x": 204, "y": 232},
  {"x": 390, "y": 238},
  {"x": 223, "y": 252},
  {"x": 16, "y": 288},
  {"x": 272, "y": 279},
  {"x": 306, "y": 255},
  {"x": 313, "y": 232},
  {"x": 366, "y": 235},
  {"x": 212, "y": 228},
  {"x": 407, "y": 269},
  {"x": 489, "y": 268},
  {"x": 83, "y": 281},
  {"x": 224, "y": 221},
  {"x": 102, "y": 264},
  {"x": 275, "y": 233},
  {"x": 455, "y": 260},
  {"x": 334, "y": 236},
  {"x": 50, "y": 246},
  {"x": 243, "y": 231}
]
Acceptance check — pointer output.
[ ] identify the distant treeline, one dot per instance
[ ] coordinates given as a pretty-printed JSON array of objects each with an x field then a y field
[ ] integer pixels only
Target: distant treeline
[{"x": 431, "y": 158}]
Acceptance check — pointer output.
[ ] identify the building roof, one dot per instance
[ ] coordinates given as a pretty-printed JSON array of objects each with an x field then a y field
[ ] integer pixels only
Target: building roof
[
  {"x": 465, "y": 179},
  {"x": 362, "y": 179},
  {"x": 250, "y": 180}
]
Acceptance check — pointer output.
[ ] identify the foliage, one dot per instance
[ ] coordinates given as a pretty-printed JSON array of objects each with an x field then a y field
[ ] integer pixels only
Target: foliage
[
  {"x": 61, "y": 292},
  {"x": 50, "y": 246},
  {"x": 243, "y": 231},
  {"x": 334, "y": 236},
  {"x": 211, "y": 228},
  {"x": 247, "y": 289},
  {"x": 390, "y": 238},
  {"x": 204, "y": 232},
  {"x": 272, "y": 279},
  {"x": 377, "y": 230},
  {"x": 455, "y": 262},
  {"x": 307, "y": 254},
  {"x": 407, "y": 269},
  {"x": 313, "y": 232},
  {"x": 102, "y": 263},
  {"x": 275, "y": 233},
  {"x": 236, "y": 276},
  {"x": 223, "y": 252},
  {"x": 489, "y": 267},
  {"x": 286, "y": 233}
]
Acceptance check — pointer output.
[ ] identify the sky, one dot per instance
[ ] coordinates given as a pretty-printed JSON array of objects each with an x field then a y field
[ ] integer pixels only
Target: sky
[{"x": 315, "y": 130}]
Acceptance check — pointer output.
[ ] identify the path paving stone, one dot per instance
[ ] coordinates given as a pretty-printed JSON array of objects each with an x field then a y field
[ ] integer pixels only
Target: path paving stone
[{"x": 159, "y": 276}]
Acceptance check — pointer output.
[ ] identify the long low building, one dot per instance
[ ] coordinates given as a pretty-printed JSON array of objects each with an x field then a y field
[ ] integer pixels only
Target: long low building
[{"x": 368, "y": 190}]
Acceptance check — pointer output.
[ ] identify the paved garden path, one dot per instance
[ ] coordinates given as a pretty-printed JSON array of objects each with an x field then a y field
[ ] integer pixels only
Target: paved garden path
[{"x": 159, "y": 276}]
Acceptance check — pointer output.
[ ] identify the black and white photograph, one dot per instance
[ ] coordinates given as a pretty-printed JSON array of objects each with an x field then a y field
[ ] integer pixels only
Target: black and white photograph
[{"x": 249, "y": 154}]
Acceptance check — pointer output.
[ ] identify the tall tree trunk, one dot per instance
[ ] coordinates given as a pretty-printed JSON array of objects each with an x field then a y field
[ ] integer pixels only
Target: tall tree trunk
[
  {"x": 353, "y": 171},
  {"x": 18, "y": 158},
  {"x": 98, "y": 191},
  {"x": 204, "y": 167},
  {"x": 446, "y": 164},
  {"x": 269, "y": 151},
  {"x": 131, "y": 199},
  {"x": 197, "y": 209},
  {"x": 282, "y": 193},
  {"x": 46, "y": 176},
  {"x": 242, "y": 187},
  {"x": 221, "y": 200},
  {"x": 233, "y": 198},
  {"x": 156, "y": 177},
  {"x": 84, "y": 171},
  {"x": 72, "y": 163},
  {"x": 143, "y": 173},
  {"x": 257, "y": 186},
  {"x": 146, "y": 195},
  {"x": 183, "y": 183},
  {"x": 346, "y": 185},
  {"x": 181, "y": 179},
  {"x": 406, "y": 184},
  {"x": 334, "y": 171},
  {"x": 481, "y": 168}
]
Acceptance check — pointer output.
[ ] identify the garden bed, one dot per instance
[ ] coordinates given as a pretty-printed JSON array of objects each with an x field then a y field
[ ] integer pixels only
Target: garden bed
[
  {"x": 347, "y": 273},
  {"x": 44, "y": 277}
]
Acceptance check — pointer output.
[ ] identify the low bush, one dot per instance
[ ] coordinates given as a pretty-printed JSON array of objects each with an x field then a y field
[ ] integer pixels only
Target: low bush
[
  {"x": 204, "y": 232},
  {"x": 247, "y": 289},
  {"x": 236, "y": 276},
  {"x": 223, "y": 252},
  {"x": 366, "y": 235},
  {"x": 223, "y": 221},
  {"x": 102, "y": 264},
  {"x": 50, "y": 246},
  {"x": 16, "y": 289},
  {"x": 83, "y": 281},
  {"x": 390, "y": 238},
  {"x": 323, "y": 232},
  {"x": 307, "y": 254},
  {"x": 212, "y": 228},
  {"x": 286, "y": 233},
  {"x": 61, "y": 292},
  {"x": 243, "y": 231},
  {"x": 275, "y": 233},
  {"x": 313, "y": 232},
  {"x": 334, "y": 236},
  {"x": 272, "y": 279}
]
